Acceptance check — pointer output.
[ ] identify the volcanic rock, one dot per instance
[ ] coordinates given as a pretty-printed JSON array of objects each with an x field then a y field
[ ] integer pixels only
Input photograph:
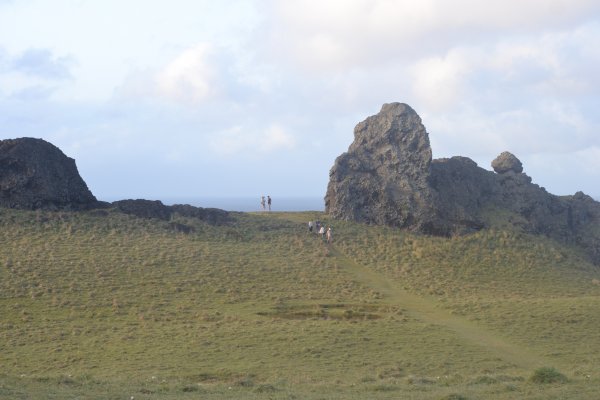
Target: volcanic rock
[
  {"x": 156, "y": 209},
  {"x": 387, "y": 177},
  {"x": 506, "y": 162},
  {"x": 35, "y": 174},
  {"x": 144, "y": 208},
  {"x": 382, "y": 179}
]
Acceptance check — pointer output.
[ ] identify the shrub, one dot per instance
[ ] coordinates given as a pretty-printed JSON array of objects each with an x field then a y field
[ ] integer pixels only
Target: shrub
[
  {"x": 265, "y": 388},
  {"x": 547, "y": 375},
  {"x": 454, "y": 396}
]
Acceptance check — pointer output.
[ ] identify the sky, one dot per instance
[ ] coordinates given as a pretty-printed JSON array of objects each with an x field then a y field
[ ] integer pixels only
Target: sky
[{"x": 195, "y": 98}]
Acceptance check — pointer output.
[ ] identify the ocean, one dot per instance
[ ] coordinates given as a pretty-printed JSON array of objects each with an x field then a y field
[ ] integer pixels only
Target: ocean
[{"x": 248, "y": 204}]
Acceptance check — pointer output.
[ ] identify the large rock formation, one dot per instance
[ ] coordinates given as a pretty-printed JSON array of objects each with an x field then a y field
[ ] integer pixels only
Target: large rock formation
[
  {"x": 36, "y": 174},
  {"x": 382, "y": 179},
  {"x": 387, "y": 177}
]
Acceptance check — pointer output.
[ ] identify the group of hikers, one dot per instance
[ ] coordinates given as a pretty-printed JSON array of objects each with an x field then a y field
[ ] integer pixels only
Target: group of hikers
[
  {"x": 319, "y": 228},
  {"x": 265, "y": 202}
]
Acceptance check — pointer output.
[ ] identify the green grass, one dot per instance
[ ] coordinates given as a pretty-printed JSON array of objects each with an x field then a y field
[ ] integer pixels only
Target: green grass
[{"x": 112, "y": 306}]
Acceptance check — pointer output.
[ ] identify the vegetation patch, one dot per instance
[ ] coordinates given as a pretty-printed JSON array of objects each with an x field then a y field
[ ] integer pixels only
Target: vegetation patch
[
  {"x": 347, "y": 312},
  {"x": 454, "y": 396},
  {"x": 546, "y": 375},
  {"x": 265, "y": 388}
]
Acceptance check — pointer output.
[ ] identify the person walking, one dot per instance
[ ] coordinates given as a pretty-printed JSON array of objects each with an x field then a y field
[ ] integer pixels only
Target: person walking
[
  {"x": 322, "y": 232},
  {"x": 269, "y": 202},
  {"x": 329, "y": 236},
  {"x": 262, "y": 202},
  {"x": 310, "y": 226}
]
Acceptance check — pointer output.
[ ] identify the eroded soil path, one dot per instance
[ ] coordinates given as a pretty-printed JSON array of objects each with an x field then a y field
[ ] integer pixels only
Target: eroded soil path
[{"x": 428, "y": 310}]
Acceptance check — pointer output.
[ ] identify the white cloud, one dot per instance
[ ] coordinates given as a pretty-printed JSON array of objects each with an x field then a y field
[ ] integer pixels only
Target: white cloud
[
  {"x": 276, "y": 138},
  {"x": 439, "y": 82},
  {"x": 250, "y": 143},
  {"x": 340, "y": 34},
  {"x": 190, "y": 77}
]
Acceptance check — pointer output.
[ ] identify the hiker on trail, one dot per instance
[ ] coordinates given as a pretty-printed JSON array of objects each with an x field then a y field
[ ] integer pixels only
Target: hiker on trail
[
  {"x": 269, "y": 202},
  {"x": 318, "y": 226},
  {"x": 322, "y": 232},
  {"x": 329, "y": 236},
  {"x": 262, "y": 202},
  {"x": 310, "y": 226}
]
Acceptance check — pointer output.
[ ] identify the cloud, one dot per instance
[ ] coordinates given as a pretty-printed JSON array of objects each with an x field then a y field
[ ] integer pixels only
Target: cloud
[
  {"x": 43, "y": 64},
  {"x": 190, "y": 78},
  {"x": 276, "y": 138},
  {"x": 246, "y": 142},
  {"x": 340, "y": 34},
  {"x": 439, "y": 82}
]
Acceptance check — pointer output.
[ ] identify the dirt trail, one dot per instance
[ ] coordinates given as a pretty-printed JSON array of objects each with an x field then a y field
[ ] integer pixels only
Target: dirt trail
[{"x": 426, "y": 310}]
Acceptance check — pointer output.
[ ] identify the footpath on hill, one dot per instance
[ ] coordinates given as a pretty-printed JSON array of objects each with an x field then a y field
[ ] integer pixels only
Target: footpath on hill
[{"x": 426, "y": 310}]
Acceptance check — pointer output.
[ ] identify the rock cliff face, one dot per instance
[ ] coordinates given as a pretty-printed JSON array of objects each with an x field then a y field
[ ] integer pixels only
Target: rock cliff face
[
  {"x": 36, "y": 174},
  {"x": 382, "y": 179},
  {"x": 387, "y": 177}
]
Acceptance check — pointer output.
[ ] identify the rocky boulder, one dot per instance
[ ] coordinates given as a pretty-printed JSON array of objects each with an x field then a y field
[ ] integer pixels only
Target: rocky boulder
[
  {"x": 35, "y": 174},
  {"x": 506, "y": 162},
  {"x": 382, "y": 179}
]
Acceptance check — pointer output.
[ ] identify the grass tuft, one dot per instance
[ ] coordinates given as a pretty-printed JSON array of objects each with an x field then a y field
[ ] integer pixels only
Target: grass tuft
[{"x": 546, "y": 375}]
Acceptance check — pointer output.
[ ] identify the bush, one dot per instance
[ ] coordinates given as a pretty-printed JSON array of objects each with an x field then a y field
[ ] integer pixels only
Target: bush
[
  {"x": 547, "y": 375},
  {"x": 265, "y": 388},
  {"x": 454, "y": 396}
]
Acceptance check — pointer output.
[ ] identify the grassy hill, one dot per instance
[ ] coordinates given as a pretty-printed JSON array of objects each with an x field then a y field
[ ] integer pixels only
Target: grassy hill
[{"x": 113, "y": 306}]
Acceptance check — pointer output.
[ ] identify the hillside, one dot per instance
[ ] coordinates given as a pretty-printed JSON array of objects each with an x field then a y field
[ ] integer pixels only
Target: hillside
[{"x": 109, "y": 305}]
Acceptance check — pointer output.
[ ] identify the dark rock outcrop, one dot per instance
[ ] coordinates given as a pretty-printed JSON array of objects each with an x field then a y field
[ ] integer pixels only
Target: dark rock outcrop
[
  {"x": 382, "y": 179},
  {"x": 387, "y": 177},
  {"x": 35, "y": 174},
  {"x": 156, "y": 209},
  {"x": 212, "y": 216},
  {"x": 144, "y": 208}
]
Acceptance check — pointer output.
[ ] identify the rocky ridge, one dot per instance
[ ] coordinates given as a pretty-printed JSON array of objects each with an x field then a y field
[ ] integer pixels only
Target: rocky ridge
[
  {"x": 35, "y": 174},
  {"x": 388, "y": 177}
]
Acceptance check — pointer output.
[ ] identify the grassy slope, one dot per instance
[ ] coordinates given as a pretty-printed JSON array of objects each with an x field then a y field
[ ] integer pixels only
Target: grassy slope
[{"x": 114, "y": 306}]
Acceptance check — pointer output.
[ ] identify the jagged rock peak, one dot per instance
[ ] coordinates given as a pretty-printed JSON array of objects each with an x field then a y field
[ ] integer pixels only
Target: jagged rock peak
[
  {"x": 36, "y": 174},
  {"x": 383, "y": 176},
  {"x": 397, "y": 124},
  {"x": 507, "y": 162}
]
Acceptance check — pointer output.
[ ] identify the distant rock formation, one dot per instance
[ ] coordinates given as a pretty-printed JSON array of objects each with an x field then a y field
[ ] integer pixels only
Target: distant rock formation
[
  {"x": 143, "y": 208},
  {"x": 387, "y": 177},
  {"x": 156, "y": 209},
  {"x": 35, "y": 174}
]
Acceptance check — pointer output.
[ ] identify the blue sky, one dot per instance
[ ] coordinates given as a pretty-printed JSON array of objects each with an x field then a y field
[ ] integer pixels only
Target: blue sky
[{"x": 187, "y": 98}]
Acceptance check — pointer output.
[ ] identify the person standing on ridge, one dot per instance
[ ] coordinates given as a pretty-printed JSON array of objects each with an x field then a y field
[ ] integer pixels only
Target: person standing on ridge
[
  {"x": 262, "y": 202},
  {"x": 269, "y": 202}
]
